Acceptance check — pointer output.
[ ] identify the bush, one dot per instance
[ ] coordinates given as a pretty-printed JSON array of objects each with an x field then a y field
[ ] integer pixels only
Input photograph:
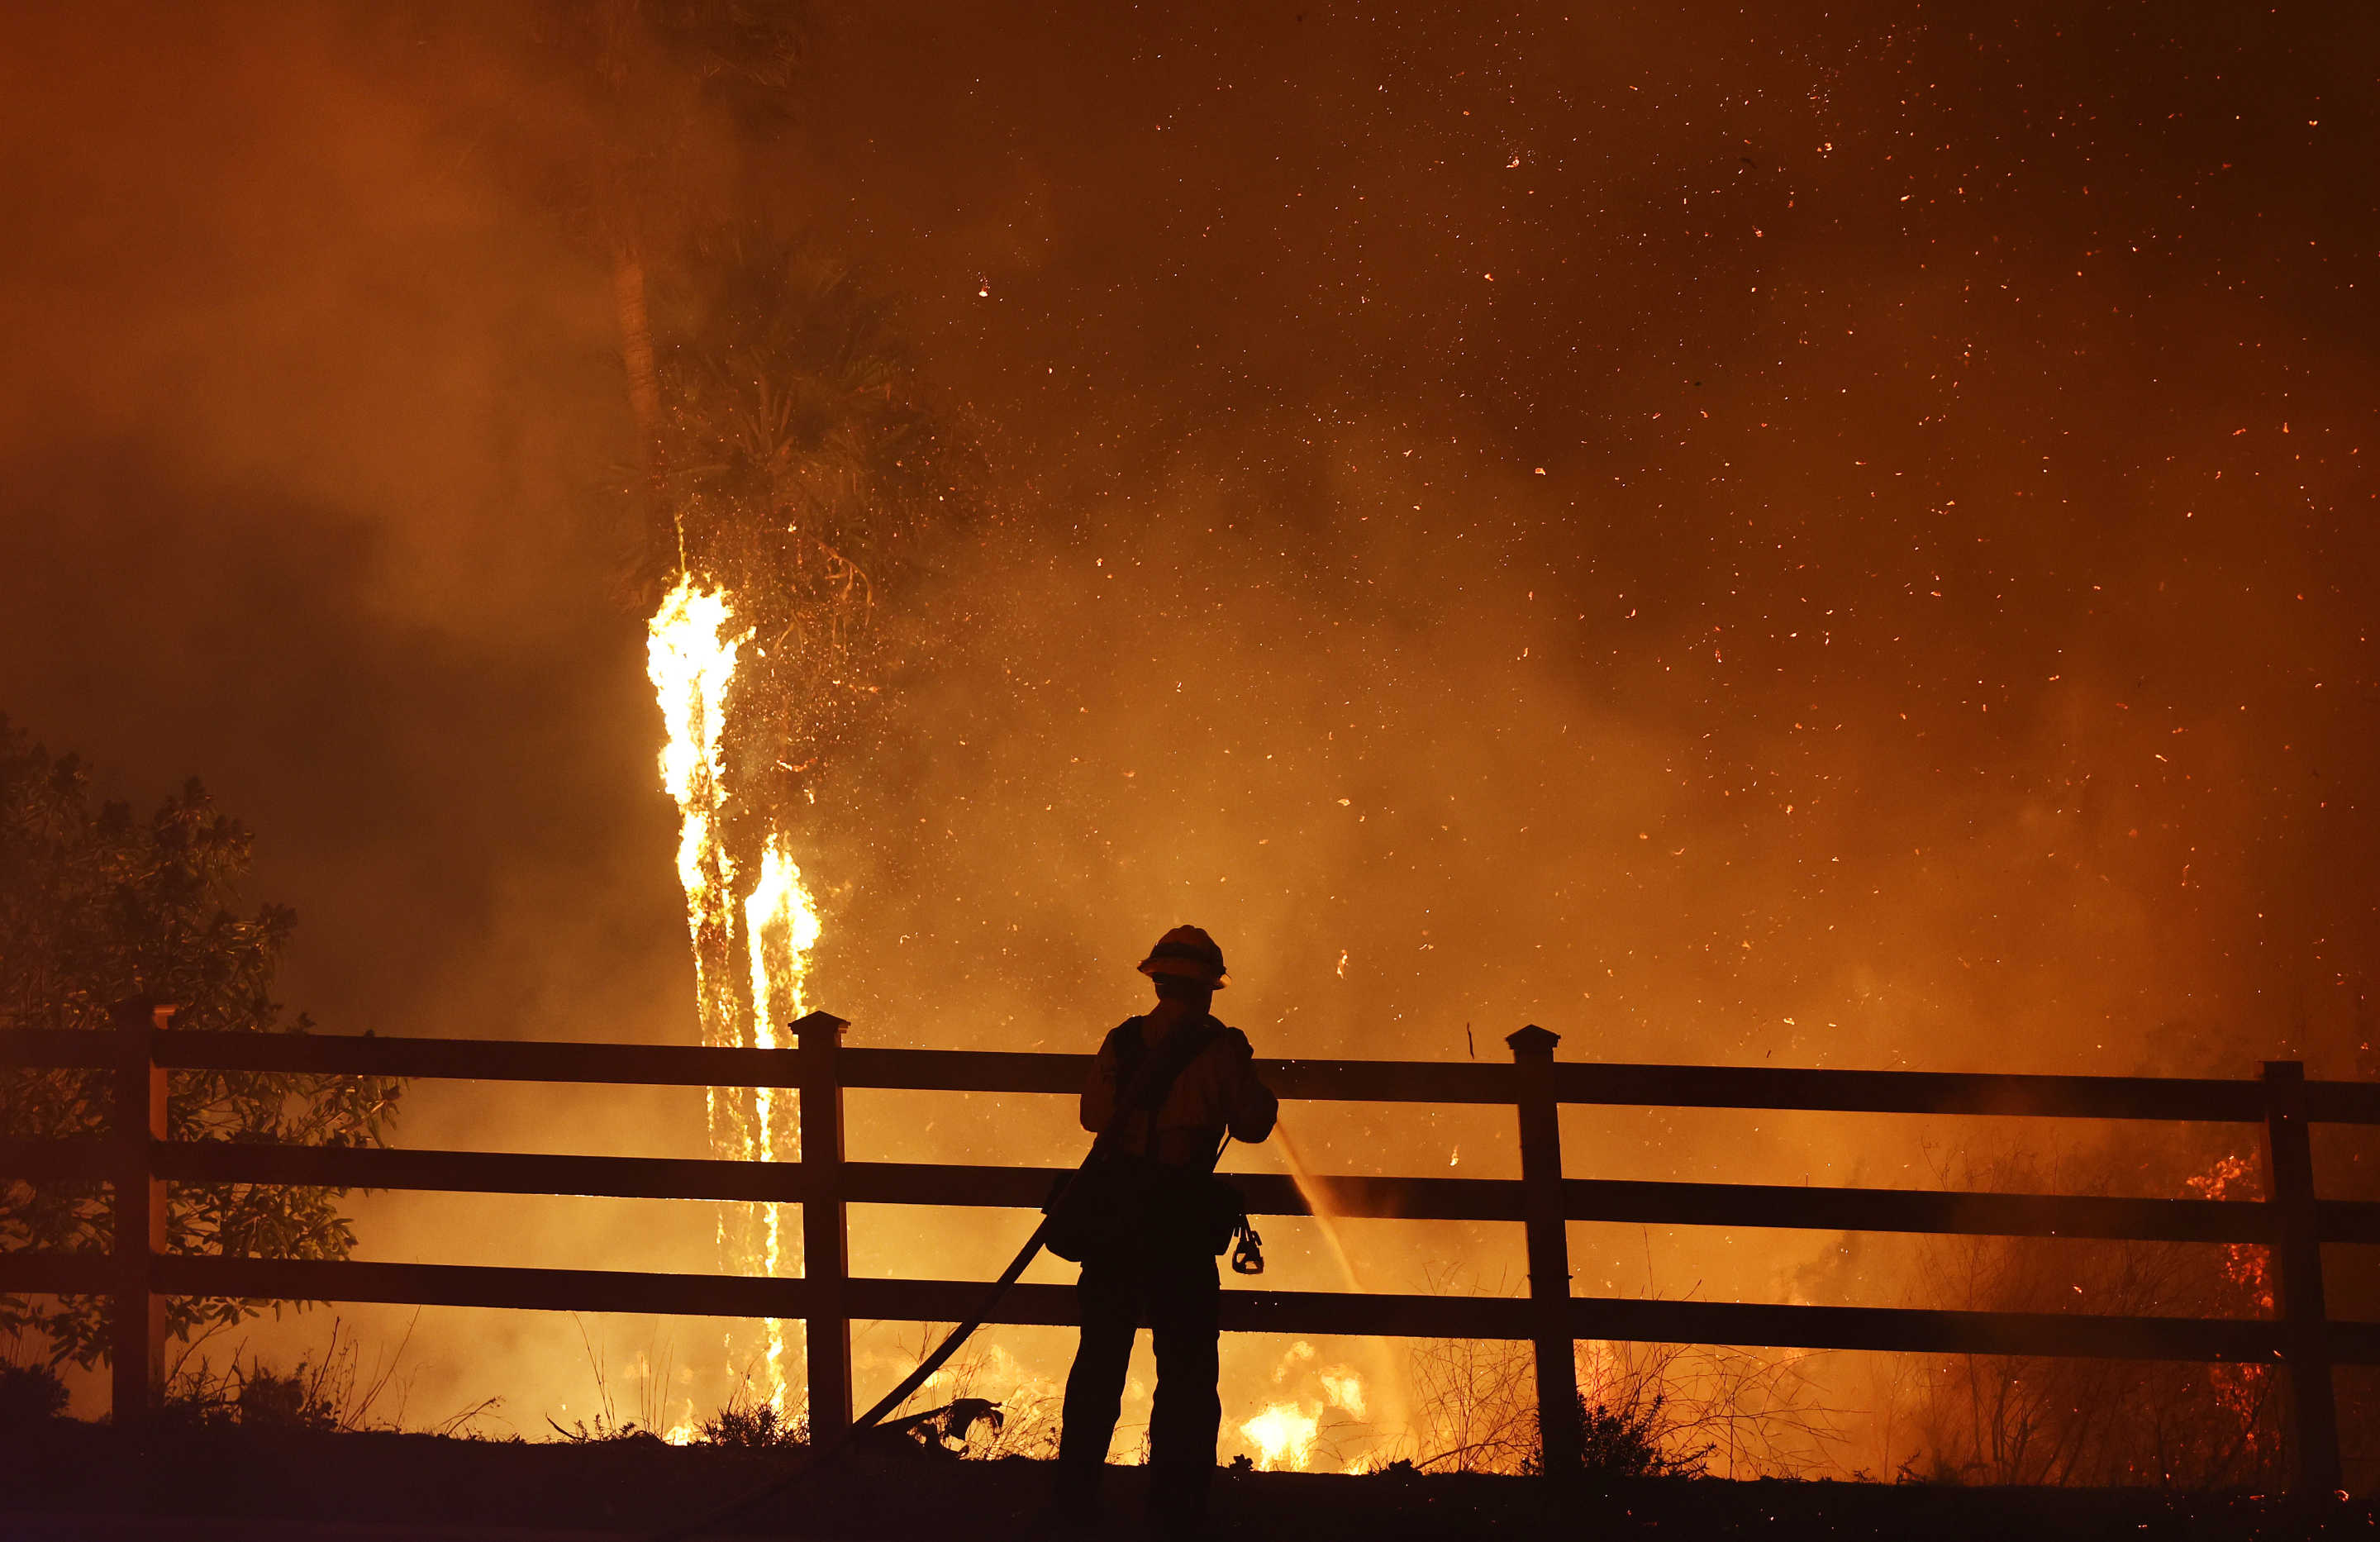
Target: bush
[
  {"x": 30, "y": 1395},
  {"x": 1629, "y": 1441},
  {"x": 753, "y": 1426},
  {"x": 2015, "y": 1419},
  {"x": 294, "y": 1400},
  {"x": 98, "y": 906},
  {"x": 331, "y": 1391}
]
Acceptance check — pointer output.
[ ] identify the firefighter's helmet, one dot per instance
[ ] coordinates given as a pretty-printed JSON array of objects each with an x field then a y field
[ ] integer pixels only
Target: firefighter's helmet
[{"x": 1188, "y": 954}]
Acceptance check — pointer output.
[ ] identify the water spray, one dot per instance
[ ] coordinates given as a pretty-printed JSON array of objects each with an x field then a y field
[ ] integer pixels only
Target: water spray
[{"x": 1386, "y": 1373}]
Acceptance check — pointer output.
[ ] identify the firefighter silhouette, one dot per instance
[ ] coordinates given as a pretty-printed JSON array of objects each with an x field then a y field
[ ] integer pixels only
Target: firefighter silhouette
[{"x": 1172, "y": 1083}]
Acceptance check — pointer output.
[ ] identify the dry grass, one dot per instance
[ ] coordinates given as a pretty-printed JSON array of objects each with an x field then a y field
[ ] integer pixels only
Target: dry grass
[
  {"x": 335, "y": 1391},
  {"x": 2010, "y": 1419}
]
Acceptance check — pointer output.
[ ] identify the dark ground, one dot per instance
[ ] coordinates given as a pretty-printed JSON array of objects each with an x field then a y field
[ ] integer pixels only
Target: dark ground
[{"x": 75, "y": 1479}]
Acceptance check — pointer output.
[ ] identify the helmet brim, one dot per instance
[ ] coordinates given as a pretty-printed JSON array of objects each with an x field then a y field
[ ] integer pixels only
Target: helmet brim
[{"x": 1184, "y": 968}]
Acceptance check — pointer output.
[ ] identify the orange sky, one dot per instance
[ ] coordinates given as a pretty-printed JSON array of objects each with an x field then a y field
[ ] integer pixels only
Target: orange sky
[{"x": 1838, "y": 537}]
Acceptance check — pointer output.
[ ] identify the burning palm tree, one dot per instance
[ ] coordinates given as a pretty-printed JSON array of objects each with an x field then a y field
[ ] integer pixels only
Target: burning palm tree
[
  {"x": 801, "y": 471},
  {"x": 781, "y": 469}
]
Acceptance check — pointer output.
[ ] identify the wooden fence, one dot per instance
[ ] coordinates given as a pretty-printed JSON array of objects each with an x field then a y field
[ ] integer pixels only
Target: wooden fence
[{"x": 2292, "y": 1223}]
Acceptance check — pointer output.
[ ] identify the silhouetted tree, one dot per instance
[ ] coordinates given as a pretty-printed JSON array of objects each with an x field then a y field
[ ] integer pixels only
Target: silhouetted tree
[
  {"x": 782, "y": 447},
  {"x": 97, "y": 906},
  {"x": 806, "y": 472},
  {"x": 638, "y": 145}
]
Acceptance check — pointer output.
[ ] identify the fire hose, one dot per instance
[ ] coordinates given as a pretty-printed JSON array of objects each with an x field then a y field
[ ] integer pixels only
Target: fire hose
[{"x": 821, "y": 1449}]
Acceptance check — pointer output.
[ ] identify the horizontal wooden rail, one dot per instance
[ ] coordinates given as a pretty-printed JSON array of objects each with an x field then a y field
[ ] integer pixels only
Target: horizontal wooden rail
[
  {"x": 487, "y": 1173},
  {"x": 2347, "y": 1220},
  {"x": 1344, "y": 1196},
  {"x": 1899, "y": 1329},
  {"x": 964, "y": 1071},
  {"x": 483, "y": 1060},
  {"x": 58, "y": 1273},
  {"x": 1952, "y": 1212},
  {"x": 562, "y": 1290},
  {"x": 450, "y": 1171},
  {"x": 1356, "y": 1081},
  {"x": 1917, "y": 1331},
  {"x": 2343, "y": 1102},
  {"x": 1265, "y": 1193},
  {"x": 1780, "y": 1088}
]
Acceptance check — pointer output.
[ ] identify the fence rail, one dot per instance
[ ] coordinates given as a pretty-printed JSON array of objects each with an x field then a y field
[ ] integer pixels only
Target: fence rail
[{"x": 137, "y": 1162}]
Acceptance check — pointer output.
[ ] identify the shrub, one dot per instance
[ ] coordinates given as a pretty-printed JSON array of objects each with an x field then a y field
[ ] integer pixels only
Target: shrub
[
  {"x": 30, "y": 1395},
  {"x": 1634, "y": 1441},
  {"x": 98, "y": 906},
  {"x": 753, "y": 1426}
]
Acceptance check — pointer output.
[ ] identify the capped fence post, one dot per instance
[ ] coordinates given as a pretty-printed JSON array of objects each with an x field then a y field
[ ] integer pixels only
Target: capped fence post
[
  {"x": 2297, "y": 1255},
  {"x": 826, "y": 1246},
  {"x": 1558, "y": 1436},
  {"x": 136, "y": 1323}
]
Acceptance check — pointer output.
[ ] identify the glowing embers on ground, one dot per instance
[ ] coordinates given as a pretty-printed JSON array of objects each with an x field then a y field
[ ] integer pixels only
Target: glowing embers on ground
[{"x": 691, "y": 659}]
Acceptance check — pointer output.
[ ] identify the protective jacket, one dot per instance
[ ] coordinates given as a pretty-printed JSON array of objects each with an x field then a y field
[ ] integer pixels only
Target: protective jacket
[{"x": 1216, "y": 1091}]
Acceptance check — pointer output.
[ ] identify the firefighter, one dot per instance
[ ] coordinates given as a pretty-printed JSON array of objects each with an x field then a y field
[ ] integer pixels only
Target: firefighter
[{"x": 1159, "y": 1265}]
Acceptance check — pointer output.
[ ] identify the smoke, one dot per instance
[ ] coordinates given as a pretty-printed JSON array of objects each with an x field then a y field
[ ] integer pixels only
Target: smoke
[{"x": 1823, "y": 540}]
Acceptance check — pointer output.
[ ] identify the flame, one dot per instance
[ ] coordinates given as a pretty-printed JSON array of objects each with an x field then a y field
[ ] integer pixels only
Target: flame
[
  {"x": 2248, "y": 1268},
  {"x": 685, "y": 1431},
  {"x": 691, "y": 657},
  {"x": 780, "y": 927},
  {"x": 2246, "y": 1264},
  {"x": 691, "y": 663},
  {"x": 1283, "y": 1436},
  {"x": 1345, "y": 1387}
]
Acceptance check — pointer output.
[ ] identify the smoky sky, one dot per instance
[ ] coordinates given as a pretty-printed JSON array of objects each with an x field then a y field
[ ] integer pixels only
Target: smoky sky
[
  {"x": 1748, "y": 514},
  {"x": 1950, "y": 423},
  {"x": 1810, "y": 535}
]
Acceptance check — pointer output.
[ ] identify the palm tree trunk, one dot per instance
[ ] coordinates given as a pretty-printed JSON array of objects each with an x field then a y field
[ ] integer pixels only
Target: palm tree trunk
[{"x": 644, "y": 392}]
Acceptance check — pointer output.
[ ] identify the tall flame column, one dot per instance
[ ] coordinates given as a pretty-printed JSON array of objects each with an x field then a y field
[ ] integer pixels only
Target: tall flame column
[{"x": 750, "y": 922}]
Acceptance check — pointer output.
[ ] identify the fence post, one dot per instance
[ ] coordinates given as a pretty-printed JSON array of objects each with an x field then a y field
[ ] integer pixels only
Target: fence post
[
  {"x": 2306, "y": 1330},
  {"x": 1559, "y": 1437},
  {"x": 826, "y": 1246},
  {"x": 137, "y": 1316}
]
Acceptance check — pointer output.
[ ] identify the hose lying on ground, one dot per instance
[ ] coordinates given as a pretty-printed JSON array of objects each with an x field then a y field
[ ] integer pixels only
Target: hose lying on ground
[{"x": 821, "y": 1449}]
